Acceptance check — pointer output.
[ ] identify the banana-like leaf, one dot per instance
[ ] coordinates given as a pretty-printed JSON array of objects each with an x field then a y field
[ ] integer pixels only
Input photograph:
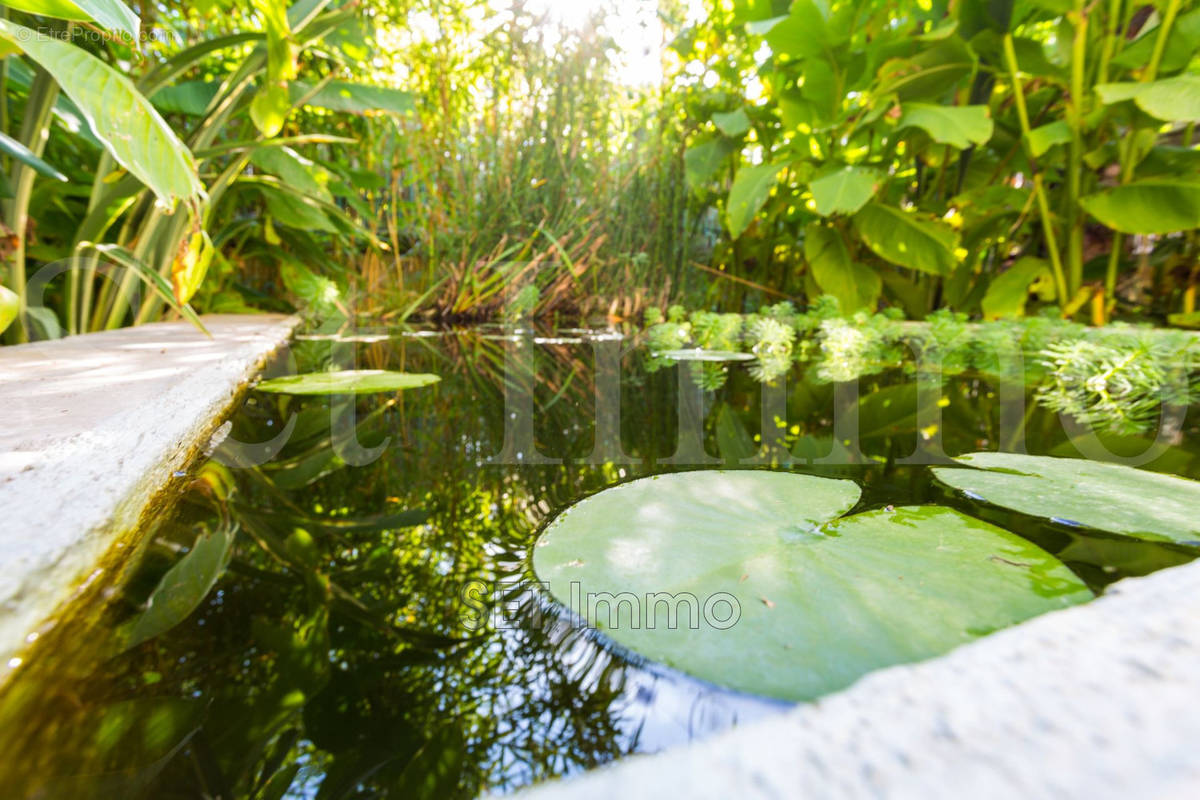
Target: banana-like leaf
[
  {"x": 855, "y": 285},
  {"x": 1153, "y": 205},
  {"x": 353, "y": 98},
  {"x": 10, "y": 146},
  {"x": 132, "y": 131},
  {"x": 151, "y": 277},
  {"x": 1009, "y": 291},
  {"x": 749, "y": 192},
  {"x": 905, "y": 239},
  {"x": 111, "y": 15}
]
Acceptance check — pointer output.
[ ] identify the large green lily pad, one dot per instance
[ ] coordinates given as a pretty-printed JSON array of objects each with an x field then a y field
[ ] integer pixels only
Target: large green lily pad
[
  {"x": 819, "y": 602},
  {"x": 1075, "y": 492},
  {"x": 366, "y": 381}
]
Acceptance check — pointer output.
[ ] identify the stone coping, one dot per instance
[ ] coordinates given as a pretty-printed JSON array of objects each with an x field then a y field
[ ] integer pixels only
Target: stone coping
[{"x": 95, "y": 428}]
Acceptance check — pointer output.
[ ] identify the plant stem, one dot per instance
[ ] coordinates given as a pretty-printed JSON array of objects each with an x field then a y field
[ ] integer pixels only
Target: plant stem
[
  {"x": 35, "y": 128},
  {"x": 1060, "y": 283}
]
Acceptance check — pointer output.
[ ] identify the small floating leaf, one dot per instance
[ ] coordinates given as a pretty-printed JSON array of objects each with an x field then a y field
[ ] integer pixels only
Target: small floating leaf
[
  {"x": 1080, "y": 493},
  {"x": 367, "y": 381},
  {"x": 743, "y": 579},
  {"x": 700, "y": 354}
]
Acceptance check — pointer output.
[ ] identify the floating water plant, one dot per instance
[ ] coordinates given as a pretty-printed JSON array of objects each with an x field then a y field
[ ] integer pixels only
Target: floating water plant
[
  {"x": 370, "y": 381},
  {"x": 750, "y": 580},
  {"x": 1079, "y": 493}
]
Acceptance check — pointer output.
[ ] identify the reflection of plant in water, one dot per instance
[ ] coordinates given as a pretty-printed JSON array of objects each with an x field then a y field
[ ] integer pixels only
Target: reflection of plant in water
[
  {"x": 1121, "y": 387},
  {"x": 1115, "y": 379}
]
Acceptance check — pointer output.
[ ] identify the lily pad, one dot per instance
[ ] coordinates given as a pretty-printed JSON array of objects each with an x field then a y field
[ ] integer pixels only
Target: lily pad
[
  {"x": 367, "y": 381},
  {"x": 699, "y": 354},
  {"x": 770, "y": 595},
  {"x": 1080, "y": 493}
]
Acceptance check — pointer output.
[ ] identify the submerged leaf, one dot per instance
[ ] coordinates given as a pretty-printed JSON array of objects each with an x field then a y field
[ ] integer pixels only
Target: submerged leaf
[
  {"x": 367, "y": 381},
  {"x": 1076, "y": 492},
  {"x": 676, "y": 567}
]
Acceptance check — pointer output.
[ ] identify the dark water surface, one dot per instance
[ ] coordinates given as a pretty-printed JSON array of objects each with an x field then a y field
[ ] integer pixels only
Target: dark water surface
[{"x": 348, "y": 660}]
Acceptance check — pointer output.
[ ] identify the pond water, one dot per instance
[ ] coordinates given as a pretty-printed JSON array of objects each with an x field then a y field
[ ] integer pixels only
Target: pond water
[{"x": 394, "y": 646}]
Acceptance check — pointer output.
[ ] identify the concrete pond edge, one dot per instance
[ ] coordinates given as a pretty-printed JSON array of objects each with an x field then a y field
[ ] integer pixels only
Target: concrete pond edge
[{"x": 100, "y": 429}]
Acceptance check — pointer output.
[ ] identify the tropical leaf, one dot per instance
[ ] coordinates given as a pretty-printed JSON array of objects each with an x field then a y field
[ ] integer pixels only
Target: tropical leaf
[
  {"x": 957, "y": 126},
  {"x": 1172, "y": 99},
  {"x": 905, "y": 239},
  {"x": 354, "y": 98},
  {"x": 800, "y": 34},
  {"x": 111, "y": 15},
  {"x": 11, "y": 147},
  {"x": 783, "y": 600},
  {"x": 733, "y": 123},
  {"x": 854, "y": 285},
  {"x": 125, "y": 121},
  {"x": 844, "y": 190},
  {"x": 702, "y": 160},
  {"x": 749, "y": 192},
  {"x": 1043, "y": 137},
  {"x": 1149, "y": 206},
  {"x": 1008, "y": 292}
]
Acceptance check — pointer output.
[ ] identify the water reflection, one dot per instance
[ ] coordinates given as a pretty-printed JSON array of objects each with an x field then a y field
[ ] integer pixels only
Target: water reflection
[{"x": 331, "y": 660}]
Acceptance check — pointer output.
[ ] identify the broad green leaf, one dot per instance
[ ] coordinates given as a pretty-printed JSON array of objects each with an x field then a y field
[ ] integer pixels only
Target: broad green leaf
[
  {"x": 10, "y": 306},
  {"x": 293, "y": 169},
  {"x": 111, "y": 15},
  {"x": 1008, "y": 292},
  {"x": 929, "y": 74},
  {"x": 1182, "y": 43},
  {"x": 844, "y": 190},
  {"x": 854, "y": 285},
  {"x": 1152, "y": 205},
  {"x": 733, "y": 123},
  {"x": 354, "y": 98},
  {"x": 702, "y": 160},
  {"x": 271, "y": 104},
  {"x": 295, "y": 209},
  {"x": 784, "y": 600},
  {"x": 1043, "y": 137},
  {"x": 800, "y": 34},
  {"x": 907, "y": 240},
  {"x": 749, "y": 192},
  {"x": 1076, "y": 492},
  {"x": 189, "y": 97},
  {"x": 367, "y": 381},
  {"x": 125, "y": 121},
  {"x": 183, "y": 587},
  {"x": 957, "y": 126},
  {"x": 1172, "y": 99},
  {"x": 11, "y": 147}
]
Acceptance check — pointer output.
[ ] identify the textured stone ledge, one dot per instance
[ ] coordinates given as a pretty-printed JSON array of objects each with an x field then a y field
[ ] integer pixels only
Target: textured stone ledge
[
  {"x": 94, "y": 428},
  {"x": 1095, "y": 701}
]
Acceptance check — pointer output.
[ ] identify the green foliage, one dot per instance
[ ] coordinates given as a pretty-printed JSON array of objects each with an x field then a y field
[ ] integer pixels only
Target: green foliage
[
  {"x": 992, "y": 133},
  {"x": 1115, "y": 379}
]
